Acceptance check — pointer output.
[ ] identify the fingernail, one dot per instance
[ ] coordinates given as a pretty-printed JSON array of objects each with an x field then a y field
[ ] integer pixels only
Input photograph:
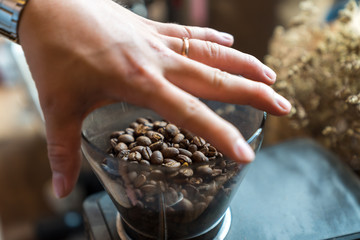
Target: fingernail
[
  {"x": 244, "y": 151},
  {"x": 270, "y": 74},
  {"x": 283, "y": 102},
  {"x": 58, "y": 182},
  {"x": 227, "y": 36}
]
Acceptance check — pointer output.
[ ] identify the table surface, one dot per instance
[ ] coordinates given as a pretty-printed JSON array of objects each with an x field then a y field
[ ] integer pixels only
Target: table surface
[{"x": 294, "y": 190}]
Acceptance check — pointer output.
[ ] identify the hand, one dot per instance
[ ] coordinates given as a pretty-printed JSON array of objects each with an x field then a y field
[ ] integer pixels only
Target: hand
[{"x": 84, "y": 54}]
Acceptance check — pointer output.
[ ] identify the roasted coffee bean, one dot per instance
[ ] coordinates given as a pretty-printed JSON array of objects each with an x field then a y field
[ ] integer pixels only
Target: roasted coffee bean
[
  {"x": 134, "y": 125},
  {"x": 122, "y": 153},
  {"x": 121, "y": 146},
  {"x": 135, "y": 156},
  {"x": 137, "y": 149},
  {"x": 145, "y": 162},
  {"x": 138, "y": 193},
  {"x": 159, "y": 124},
  {"x": 200, "y": 207},
  {"x": 183, "y": 159},
  {"x": 157, "y": 158},
  {"x": 142, "y": 120},
  {"x": 116, "y": 134},
  {"x": 185, "y": 152},
  {"x": 172, "y": 130},
  {"x": 192, "y": 148},
  {"x": 170, "y": 152},
  {"x": 164, "y": 145},
  {"x": 166, "y": 160},
  {"x": 126, "y": 138},
  {"x": 162, "y": 131},
  {"x": 133, "y": 166},
  {"x": 146, "y": 153},
  {"x": 204, "y": 150},
  {"x": 132, "y": 145},
  {"x": 156, "y": 175},
  {"x": 212, "y": 188},
  {"x": 155, "y": 136},
  {"x": 199, "y": 157},
  {"x": 191, "y": 190},
  {"x": 211, "y": 154},
  {"x": 188, "y": 135},
  {"x": 176, "y": 145},
  {"x": 201, "y": 198},
  {"x": 198, "y": 141},
  {"x": 178, "y": 138},
  {"x": 161, "y": 186},
  {"x": 114, "y": 142},
  {"x": 171, "y": 197},
  {"x": 227, "y": 191},
  {"x": 141, "y": 130},
  {"x": 232, "y": 165},
  {"x": 143, "y": 141},
  {"x": 186, "y": 172},
  {"x": 195, "y": 180},
  {"x": 222, "y": 164},
  {"x": 172, "y": 174},
  {"x": 132, "y": 176},
  {"x": 184, "y": 193},
  {"x": 139, "y": 181},
  {"x": 212, "y": 149},
  {"x": 129, "y": 131},
  {"x": 150, "y": 199},
  {"x": 216, "y": 172},
  {"x": 211, "y": 158},
  {"x": 172, "y": 164},
  {"x": 156, "y": 146},
  {"x": 220, "y": 180},
  {"x": 203, "y": 188},
  {"x": 184, "y": 143},
  {"x": 188, "y": 210},
  {"x": 149, "y": 189},
  {"x": 209, "y": 199},
  {"x": 204, "y": 170}
]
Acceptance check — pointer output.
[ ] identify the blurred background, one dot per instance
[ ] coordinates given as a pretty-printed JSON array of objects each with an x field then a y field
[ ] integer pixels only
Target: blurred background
[{"x": 28, "y": 209}]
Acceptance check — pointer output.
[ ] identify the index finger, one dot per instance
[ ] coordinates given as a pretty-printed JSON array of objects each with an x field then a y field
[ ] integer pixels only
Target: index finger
[{"x": 193, "y": 32}]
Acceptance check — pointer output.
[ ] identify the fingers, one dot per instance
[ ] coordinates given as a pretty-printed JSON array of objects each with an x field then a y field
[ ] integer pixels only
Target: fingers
[
  {"x": 210, "y": 83},
  {"x": 63, "y": 139},
  {"x": 207, "y": 34},
  {"x": 188, "y": 112},
  {"x": 226, "y": 59}
]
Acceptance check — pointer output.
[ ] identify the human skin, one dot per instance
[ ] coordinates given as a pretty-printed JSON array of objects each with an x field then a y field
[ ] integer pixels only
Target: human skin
[{"x": 84, "y": 54}]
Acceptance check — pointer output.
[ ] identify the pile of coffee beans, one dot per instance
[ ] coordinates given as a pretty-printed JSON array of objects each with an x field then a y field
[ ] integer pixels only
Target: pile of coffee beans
[{"x": 168, "y": 170}]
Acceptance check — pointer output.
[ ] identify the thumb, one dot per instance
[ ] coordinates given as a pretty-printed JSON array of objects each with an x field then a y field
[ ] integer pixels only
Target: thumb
[{"x": 63, "y": 143}]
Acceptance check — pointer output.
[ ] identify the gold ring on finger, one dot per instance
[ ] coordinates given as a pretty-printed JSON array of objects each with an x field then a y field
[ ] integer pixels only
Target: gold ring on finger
[{"x": 185, "y": 47}]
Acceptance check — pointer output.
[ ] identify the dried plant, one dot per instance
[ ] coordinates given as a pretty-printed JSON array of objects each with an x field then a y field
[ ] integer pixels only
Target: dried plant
[{"x": 318, "y": 66}]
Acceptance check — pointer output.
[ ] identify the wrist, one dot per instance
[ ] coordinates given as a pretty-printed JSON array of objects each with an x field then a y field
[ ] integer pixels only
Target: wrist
[{"x": 10, "y": 14}]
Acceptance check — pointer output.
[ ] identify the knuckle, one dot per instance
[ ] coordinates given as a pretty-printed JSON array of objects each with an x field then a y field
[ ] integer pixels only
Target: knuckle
[
  {"x": 57, "y": 154},
  {"x": 212, "y": 49},
  {"x": 219, "y": 78},
  {"x": 262, "y": 91},
  {"x": 192, "y": 107},
  {"x": 251, "y": 60},
  {"x": 188, "y": 32},
  {"x": 210, "y": 33}
]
